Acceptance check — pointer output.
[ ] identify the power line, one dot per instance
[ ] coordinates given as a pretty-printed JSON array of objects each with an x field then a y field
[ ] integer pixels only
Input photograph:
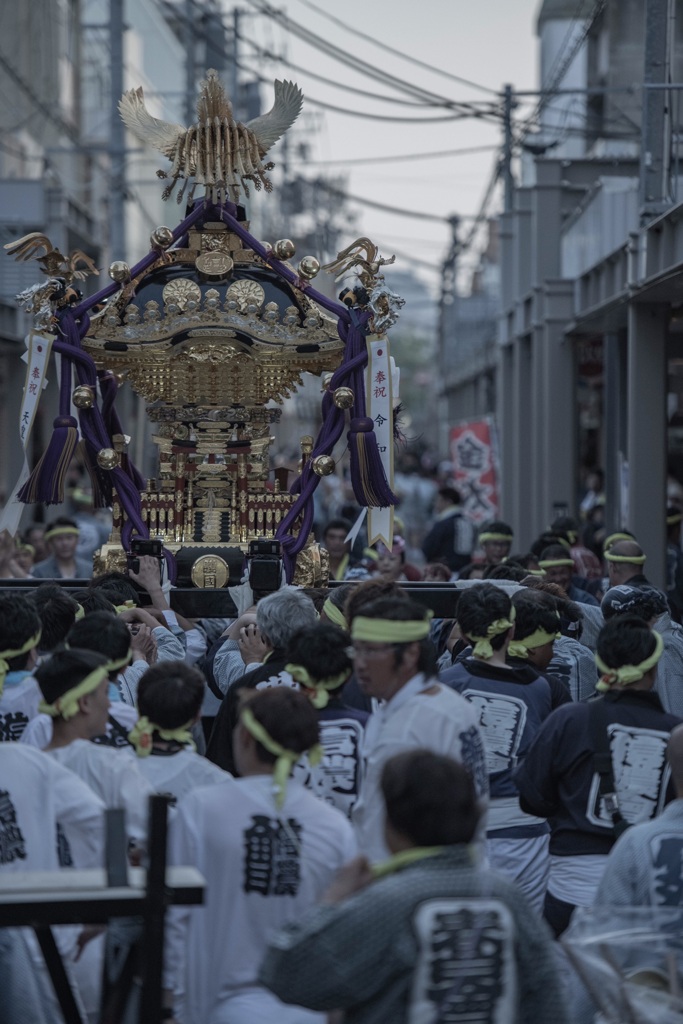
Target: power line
[
  {"x": 400, "y": 157},
  {"x": 319, "y": 43},
  {"x": 269, "y": 55},
  {"x": 355, "y": 31},
  {"x": 333, "y": 190}
]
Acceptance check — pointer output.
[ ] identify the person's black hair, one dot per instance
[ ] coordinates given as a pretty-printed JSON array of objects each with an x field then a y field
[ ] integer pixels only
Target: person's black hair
[
  {"x": 466, "y": 572},
  {"x": 564, "y": 525},
  {"x": 449, "y": 494},
  {"x": 498, "y": 526},
  {"x": 288, "y": 717},
  {"x": 336, "y": 524},
  {"x": 525, "y": 560},
  {"x": 116, "y": 587},
  {"x": 19, "y": 621},
  {"x": 534, "y": 610},
  {"x": 93, "y": 600},
  {"x": 318, "y": 596},
  {"x": 555, "y": 551},
  {"x": 368, "y": 592},
  {"x": 57, "y": 611},
  {"x": 430, "y": 798},
  {"x": 478, "y": 607},
  {"x": 61, "y": 521},
  {"x": 103, "y": 632},
  {"x": 550, "y": 539},
  {"x": 64, "y": 670},
  {"x": 339, "y": 595},
  {"x": 321, "y": 650},
  {"x": 625, "y": 640},
  {"x": 397, "y": 609},
  {"x": 170, "y": 694},
  {"x": 506, "y": 571}
]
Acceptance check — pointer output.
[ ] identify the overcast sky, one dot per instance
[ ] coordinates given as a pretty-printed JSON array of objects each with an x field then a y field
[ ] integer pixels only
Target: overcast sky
[{"x": 489, "y": 42}]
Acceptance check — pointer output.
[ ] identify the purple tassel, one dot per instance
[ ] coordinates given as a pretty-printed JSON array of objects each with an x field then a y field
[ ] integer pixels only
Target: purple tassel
[
  {"x": 367, "y": 472},
  {"x": 46, "y": 482}
]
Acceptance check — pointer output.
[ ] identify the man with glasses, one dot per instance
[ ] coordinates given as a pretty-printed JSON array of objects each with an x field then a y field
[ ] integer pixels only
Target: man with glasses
[{"x": 395, "y": 663}]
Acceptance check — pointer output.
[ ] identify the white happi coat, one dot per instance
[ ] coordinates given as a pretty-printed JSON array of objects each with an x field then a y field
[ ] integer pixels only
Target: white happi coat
[{"x": 263, "y": 869}]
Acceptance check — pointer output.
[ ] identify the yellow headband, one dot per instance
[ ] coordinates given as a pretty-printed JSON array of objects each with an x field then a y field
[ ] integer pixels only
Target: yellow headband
[
  {"x": 66, "y": 705},
  {"x": 539, "y": 638},
  {"x": 58, "y": 531},
  {"x": 537, "y": 572},
  {"x": 627, "y": 673},
  {"x": 111, "y": 666},
  {"x": 141, "y": 735},
  {"x": 550, "y": 563},
  {"x": 613, "y": 538},
  {"x": 80, "y": 612},
  {"x": 633, "y": 559},
  {"x": 6, "y": 656},
  {"x": 335, "y": 614},
  {"x": 26, "y": 547},
  {"x": 482, "y": 644},
  {"x": 319, "y": 687},
  {"x": 390, "y": 631},
  {"x": 286, "y": 759},
  {"x": 495, "y": 536},
  {"x": 125, "y": 607},
  {"x": 673, "y": 519}
]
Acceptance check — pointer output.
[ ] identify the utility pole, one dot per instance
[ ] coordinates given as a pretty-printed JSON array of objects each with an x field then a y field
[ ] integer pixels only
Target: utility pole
[
  {"x": 508, "y": 107},
  {"x": 234, "y": 67},
  {"x": 655, "y": 151},
  {"x": 447, "y": 316},
  {"x": 190, "y": 73},
  {"x": 117, "y": 136}
]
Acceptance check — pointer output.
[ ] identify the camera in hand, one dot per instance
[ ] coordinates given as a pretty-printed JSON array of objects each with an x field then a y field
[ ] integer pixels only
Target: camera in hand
[
  {"x": 143, "y": 546},
  {"x": 265, "y": 565}
]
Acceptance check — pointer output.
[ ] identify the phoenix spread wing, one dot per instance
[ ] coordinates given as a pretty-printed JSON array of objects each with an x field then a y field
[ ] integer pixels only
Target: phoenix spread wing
[
  {"x": 77, "y": 259},
  {"x": 268, "y": 128},
  {"x": 163, "y": 135},
  {"x": 29, "y": 247}
]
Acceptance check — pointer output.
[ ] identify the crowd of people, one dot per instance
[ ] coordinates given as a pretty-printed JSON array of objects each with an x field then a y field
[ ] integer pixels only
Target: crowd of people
[{"x": 397, "y": 816}]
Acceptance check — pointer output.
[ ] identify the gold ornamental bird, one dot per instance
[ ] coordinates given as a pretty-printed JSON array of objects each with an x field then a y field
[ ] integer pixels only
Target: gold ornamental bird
[
  {"x": 53, "y": 263},
  {"x": 218, "y": 152}
]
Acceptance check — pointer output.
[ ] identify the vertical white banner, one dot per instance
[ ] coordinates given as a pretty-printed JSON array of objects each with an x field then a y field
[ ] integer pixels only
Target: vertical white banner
[
  {"x": 38, "y": 347},
  {"x": 380, "y": 406}
]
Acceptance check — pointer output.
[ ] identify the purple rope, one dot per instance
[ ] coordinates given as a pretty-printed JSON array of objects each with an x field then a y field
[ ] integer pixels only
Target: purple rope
[{"x": 144, "y": 264}]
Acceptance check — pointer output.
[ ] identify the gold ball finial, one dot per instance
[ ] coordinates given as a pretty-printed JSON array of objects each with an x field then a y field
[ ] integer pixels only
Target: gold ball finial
[
  {"x": 119, "y": 271},
  {"x": 343, "y": 398},
  {"x": 323, "y": 465},
  {"x": 161, "y": 237},
  {"x": 83, "y": 397},
  {"x": 107, "y": 458},
  {"x": 284, "y": 248},
  {"x": 308, "y": 267}
]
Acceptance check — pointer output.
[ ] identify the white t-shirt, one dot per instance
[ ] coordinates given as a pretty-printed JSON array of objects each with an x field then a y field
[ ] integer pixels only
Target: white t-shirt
[
  {"x": 178, "y": 774},
  {"x": 423, "y": 714},
  {"x": 114, "y": 776},
  {"x": 36, "y": 795},
  {"x": 263, "y": 869},
  {"x": 18, "y": 705},
  {"x": 38, "y": 732}
]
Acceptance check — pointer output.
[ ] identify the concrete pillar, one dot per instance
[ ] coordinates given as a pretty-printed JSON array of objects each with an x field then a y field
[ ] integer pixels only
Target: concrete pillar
[
  {"x": 614, "y": 418},
  {"x": 521, "y": 468},
  {"x": 647, "y": 441},
  {"x": 559, "y": 421},
  {"x": 537, "y": 515},
  {"x": 504, "y": 423}
]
